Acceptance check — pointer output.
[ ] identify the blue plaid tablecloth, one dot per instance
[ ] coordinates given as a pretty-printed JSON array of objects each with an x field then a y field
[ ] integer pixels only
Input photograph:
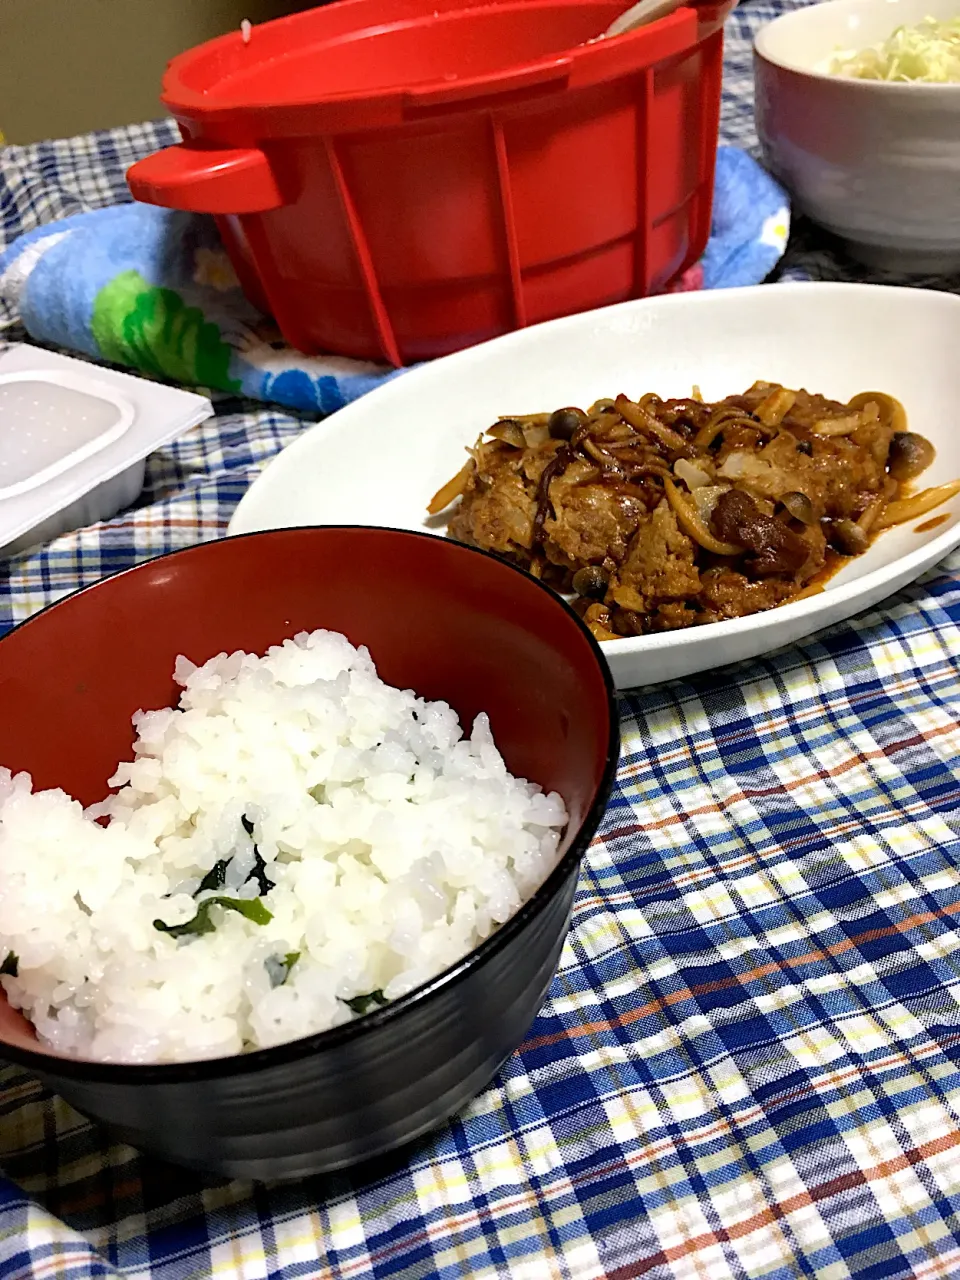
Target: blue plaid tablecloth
[{"x": 749, "y": 1062}]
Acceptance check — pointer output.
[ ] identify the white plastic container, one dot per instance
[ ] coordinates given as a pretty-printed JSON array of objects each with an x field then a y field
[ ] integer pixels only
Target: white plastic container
[{"x": 74, "y": 439}]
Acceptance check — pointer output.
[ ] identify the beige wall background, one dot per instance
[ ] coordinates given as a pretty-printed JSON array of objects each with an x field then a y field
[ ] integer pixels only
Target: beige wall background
[{"x": 67, "y": 66}]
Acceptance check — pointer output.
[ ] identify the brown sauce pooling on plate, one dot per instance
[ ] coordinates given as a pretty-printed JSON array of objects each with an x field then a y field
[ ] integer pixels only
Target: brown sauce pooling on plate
[{"x": 932, "y": 523}]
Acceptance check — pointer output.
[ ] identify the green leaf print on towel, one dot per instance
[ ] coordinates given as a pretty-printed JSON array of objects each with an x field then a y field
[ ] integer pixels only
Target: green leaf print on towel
[{"x": 145, "y": 327}]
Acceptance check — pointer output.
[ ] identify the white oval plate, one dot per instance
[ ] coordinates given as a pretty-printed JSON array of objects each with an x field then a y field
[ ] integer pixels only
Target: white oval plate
[{"x": 379, "y": 461}]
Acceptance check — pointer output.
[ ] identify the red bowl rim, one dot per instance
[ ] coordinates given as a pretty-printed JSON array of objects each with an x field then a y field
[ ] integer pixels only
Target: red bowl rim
[{"x": 170, "y": 1073}]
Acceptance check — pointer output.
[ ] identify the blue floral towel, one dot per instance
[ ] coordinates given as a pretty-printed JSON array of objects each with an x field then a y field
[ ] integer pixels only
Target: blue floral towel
[{"x": 153, "y": 290}]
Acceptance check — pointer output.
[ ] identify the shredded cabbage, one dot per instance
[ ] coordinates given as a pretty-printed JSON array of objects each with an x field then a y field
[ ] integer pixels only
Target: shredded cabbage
[{"x": 928, "y": 52}]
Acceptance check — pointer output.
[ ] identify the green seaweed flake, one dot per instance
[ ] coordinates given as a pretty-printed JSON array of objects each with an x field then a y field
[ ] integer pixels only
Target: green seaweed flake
[
  {"x": 363, "y": 1004},
  {"x": 259, "y": 872},
  {"x": 278, "y": 968},
  {"x": 215, "y": 878},
  {"x": 252, "y": 908}
]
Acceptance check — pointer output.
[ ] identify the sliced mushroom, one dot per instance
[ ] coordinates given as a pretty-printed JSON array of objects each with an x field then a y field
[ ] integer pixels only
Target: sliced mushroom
[
  {"x": 590, "y": 581},
  {"x": 847, "y": 537},
  {"x": 910, "y": 454},
  {"x": 799, "y": 506},
  {"x": 564, "y": 422},
  {"x": 889, "y": 410},
  {"x": 509, "y": 431},
  {"x": 647, "y": 424}
]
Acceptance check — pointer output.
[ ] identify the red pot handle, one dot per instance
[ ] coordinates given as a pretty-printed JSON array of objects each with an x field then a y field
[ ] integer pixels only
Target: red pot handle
[{"x": 206, "y": 180}]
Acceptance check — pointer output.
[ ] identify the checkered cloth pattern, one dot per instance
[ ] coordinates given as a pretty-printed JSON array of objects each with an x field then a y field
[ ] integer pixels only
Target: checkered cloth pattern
[{"x": 748, "y": 1066}]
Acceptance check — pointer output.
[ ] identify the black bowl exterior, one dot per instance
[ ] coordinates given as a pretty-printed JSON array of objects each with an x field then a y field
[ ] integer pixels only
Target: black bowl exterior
[{"x": 345, "y": 1104}]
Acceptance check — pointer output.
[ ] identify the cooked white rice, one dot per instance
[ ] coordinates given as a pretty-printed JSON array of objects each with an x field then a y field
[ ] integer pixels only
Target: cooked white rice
[{"x": 394, "y": 844}]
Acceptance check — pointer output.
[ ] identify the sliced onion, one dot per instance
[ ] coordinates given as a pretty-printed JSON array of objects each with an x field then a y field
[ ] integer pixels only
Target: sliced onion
[
  {"x": 706, "y": 497},
  {"x": 774, "y": 408},
  {"x": 918, "y": 505},
  {"x": 452, "y": 489},
  {"x": 689, "y": 521},
  {"x": 844, "y": 426},
  {"x": 694, "y": 477},
  {"x": 734, "y": 466},
  {"x": 535, "y": 434}
]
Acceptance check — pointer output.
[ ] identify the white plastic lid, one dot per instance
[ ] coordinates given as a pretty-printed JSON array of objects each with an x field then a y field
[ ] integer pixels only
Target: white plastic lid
[
  {"x": 67, "y": 427},
  {"x": 49, "y": 423}
]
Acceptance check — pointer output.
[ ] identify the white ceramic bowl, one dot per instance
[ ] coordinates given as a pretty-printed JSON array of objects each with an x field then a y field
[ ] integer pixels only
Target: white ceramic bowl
[
  {"x": 380, "y": 460},
  {"x": 876, "y": 163}
]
